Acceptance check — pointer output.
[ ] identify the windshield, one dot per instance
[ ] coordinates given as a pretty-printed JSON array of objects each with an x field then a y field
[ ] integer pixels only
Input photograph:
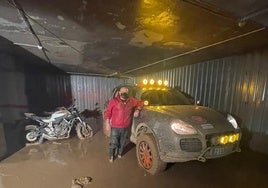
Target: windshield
[{"x": 166, "y": 97}]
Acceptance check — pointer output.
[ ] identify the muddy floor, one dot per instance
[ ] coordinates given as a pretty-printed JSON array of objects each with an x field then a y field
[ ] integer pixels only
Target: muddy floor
[{"x": 55, "y": 164}]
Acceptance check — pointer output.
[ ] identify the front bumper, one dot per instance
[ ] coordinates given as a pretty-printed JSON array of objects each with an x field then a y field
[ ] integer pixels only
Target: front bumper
[
  {"x": 218, "y": 151},
  {"x": 207, "y": 153}
]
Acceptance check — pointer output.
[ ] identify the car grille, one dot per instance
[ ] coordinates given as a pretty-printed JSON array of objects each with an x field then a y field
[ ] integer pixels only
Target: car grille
[{"x": 190, "y": 144}]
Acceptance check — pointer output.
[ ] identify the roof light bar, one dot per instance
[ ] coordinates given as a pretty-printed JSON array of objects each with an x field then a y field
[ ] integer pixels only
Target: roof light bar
[{"x": 152, "y": 82}]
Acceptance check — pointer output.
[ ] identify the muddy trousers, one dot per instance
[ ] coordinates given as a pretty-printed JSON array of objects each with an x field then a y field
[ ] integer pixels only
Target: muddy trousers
[{"x": 117, "y": 141}]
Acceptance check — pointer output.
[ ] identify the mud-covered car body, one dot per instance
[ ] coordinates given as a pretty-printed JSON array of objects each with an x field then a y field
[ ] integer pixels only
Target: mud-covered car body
[{"x": 182, "y": 130}]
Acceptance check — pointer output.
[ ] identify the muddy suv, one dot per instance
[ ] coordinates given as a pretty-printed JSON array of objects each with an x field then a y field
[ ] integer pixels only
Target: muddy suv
[{"x": 172, "y": 128}]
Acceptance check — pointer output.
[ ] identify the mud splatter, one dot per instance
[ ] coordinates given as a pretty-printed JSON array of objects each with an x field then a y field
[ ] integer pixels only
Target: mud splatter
[{"x": 145, "y": 38}]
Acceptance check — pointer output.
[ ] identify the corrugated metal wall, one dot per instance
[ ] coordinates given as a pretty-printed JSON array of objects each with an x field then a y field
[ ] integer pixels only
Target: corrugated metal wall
[
  {"x": 89, "y": 90},
  {"x": 28, "y": 84},
  {"x": 47, "y": 91},
  {"x": 235, "y": 84}
]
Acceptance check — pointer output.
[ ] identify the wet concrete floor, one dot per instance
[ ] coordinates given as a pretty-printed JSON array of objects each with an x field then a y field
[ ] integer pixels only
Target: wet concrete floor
[{"x": 54, "y": 164}]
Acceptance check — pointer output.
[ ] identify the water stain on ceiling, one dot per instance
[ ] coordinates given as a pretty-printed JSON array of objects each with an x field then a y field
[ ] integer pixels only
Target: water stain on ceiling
[{"x": 132, "y": 37}]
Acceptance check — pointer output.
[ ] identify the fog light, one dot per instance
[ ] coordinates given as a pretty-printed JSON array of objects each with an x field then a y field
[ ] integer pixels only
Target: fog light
[
  {"x": 236, "y": 136},
  {"x": 228, "y": 138},
  {"x": 223, "y": 139},
  {"x": 145, "y": 103},
  {"x": 232, "y": 138}
]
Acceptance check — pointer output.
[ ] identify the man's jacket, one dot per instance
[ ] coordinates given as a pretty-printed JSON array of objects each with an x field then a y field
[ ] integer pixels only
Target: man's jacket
[{"x": 120, "y": 112}]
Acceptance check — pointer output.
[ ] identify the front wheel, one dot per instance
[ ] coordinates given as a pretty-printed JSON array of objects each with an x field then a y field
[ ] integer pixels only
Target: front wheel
[
  {"x": 83, "y": 131},
  {"x": 148, "y": 155},
  {"x": 31, "y": 133}
]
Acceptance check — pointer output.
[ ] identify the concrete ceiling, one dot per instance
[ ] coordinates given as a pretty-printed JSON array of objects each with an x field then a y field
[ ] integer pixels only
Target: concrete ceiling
[{"x": 133, "y": 37}]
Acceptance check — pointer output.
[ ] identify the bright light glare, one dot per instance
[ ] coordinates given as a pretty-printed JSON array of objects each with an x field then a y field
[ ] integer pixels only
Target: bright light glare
[
  {"x": 165, "y": 82},
  {"x": 146, "y": 103},
  {"x": 152, "y": 82},
  {"x": 229, "y": 138},
  {"x": 158, "y": 15},
  {"x": 160, "y": 82},
  {"x": 224, "y": 139},
  {"x": 145, "y": 81}
]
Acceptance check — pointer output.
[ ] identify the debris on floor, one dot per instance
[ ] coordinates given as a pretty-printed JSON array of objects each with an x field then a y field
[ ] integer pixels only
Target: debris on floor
[
  {"x": 57, "y": 143},
  {"x": 81, "y": 182}
]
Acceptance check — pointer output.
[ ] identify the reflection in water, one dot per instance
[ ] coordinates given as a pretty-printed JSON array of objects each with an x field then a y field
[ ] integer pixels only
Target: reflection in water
[
  {"x": 59, "y": 151},
  {"x": 2, "y": 175}
]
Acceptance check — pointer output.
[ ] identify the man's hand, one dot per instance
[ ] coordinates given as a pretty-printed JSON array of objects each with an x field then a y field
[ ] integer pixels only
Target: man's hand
[
  {"x": 107, "y": 125},
  {"x": 136, "y": 113}
]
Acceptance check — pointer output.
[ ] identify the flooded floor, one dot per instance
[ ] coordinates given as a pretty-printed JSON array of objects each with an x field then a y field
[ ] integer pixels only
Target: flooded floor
[{"x": 55, "y": 164}]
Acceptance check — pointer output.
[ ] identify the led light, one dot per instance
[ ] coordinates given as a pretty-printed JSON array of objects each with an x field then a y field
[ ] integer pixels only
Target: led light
[
  {"x": 236, "y": 136},
  {"x": 145, "y": 81},
  {"x": 232, "y": 138},
  {"x": 214, "y": 140},
  {"x": 145, "y": 103},
  {"x": 224, "y": 139},
  {"x": 159, "y": 82},
  {"x": 229, "y": 138},
  {"x": 152, "y": 82},
  {"x": 183, "y": 128},
  {"x": 165, "y": 82}
]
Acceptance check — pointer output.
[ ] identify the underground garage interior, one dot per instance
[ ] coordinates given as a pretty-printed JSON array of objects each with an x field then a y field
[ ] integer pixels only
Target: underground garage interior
[{"x": 52, "y": 52}]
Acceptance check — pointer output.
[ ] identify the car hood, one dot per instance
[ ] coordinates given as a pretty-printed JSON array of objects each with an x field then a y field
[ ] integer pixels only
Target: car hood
[{"x": 203, "y": 119}]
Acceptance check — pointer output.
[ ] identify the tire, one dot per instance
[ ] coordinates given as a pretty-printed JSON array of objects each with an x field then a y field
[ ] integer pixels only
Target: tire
[
  {"x": 148, "y": 155},
  {"x": 83, "y": 132},
  {"x": 31, "y": 136}
]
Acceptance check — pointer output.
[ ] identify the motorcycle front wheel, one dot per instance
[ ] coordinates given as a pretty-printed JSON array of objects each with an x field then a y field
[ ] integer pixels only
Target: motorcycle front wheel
[
  {"x": 31, "y": 135},
  {"x": 83, "y": 132}
]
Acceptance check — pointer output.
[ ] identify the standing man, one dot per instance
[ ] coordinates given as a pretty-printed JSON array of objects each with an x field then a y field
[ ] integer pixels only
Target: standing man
[{"x": 118, "y": 115}]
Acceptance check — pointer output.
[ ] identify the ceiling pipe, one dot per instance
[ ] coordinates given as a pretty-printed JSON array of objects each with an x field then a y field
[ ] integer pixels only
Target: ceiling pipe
[
  {"x": 28, "y": 45},
  {"x": 196, "y": 50},
  {"x": 86, "y": 74},
  {"x": 210, "y": 9},
  {"x": 253, "y": 14},
  {"x": 113, "y": 75},
  {"x": 33, "y": 20},
  {"x": 26, "y": 20}
]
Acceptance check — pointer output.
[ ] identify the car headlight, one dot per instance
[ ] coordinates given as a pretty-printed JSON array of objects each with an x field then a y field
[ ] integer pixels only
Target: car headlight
[
  {"x": 181, "y": 127},
  {"x": 232, "y": 120}
]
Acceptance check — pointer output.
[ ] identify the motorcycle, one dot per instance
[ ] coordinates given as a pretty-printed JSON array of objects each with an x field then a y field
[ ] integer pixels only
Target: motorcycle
[{"x": 57, "y": 126}]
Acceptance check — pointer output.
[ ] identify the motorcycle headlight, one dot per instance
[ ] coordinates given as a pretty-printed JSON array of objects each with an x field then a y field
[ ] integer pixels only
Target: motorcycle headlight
[
  {"x": 180, "y": 127},
  {"x": 232, "y": 120}
]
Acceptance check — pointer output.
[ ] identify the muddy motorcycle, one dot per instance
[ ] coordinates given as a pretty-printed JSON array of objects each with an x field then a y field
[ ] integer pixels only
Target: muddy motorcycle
[{"x": 57, "y": 126}]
